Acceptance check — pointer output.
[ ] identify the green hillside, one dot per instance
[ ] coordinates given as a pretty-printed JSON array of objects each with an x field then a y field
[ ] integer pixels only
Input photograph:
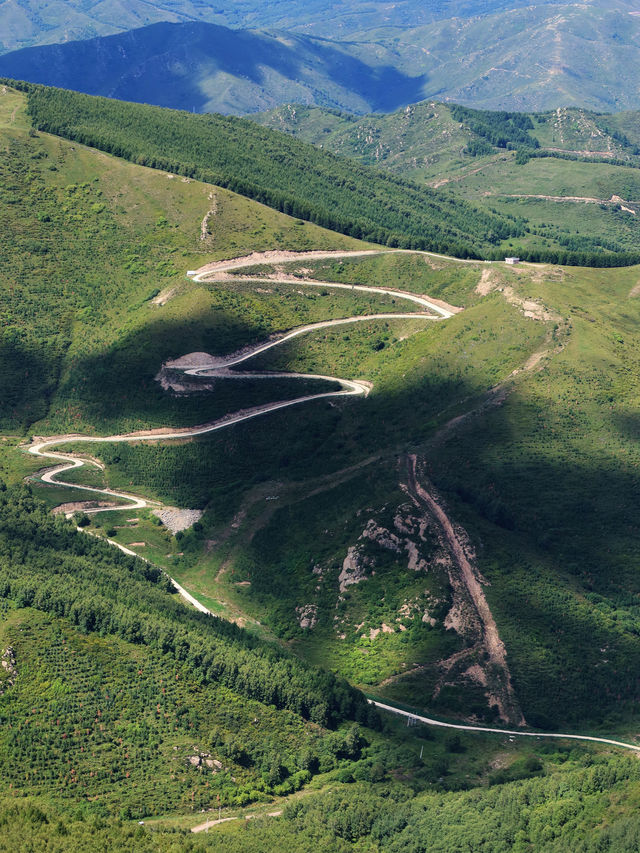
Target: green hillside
[
  {"x": 145, "y": 230},
  {"x": 569, "y": 173},
  {"x": 522, "y": 479},
  {"x": 93, "y": 241},
  {"x": 275, "y": 170},
  {"x": 333, "y": 537},
  {"x": 301, "y": 180}
]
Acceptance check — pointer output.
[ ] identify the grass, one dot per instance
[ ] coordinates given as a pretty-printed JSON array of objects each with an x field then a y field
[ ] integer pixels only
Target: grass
[
  {"x": 427, "y": 145},
  {"x": 546, "y": 486},
  {"x": 512, "y": 476},
  {"x": 530, "y": 480},
  {"x": 93, "y": 239},
  {"x": 268, "y": 577}
]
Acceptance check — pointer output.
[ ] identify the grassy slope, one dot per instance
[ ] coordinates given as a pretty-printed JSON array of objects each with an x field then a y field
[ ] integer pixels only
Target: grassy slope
[
  {"x": 421, "y": 377},
  {"x": 562, "y": 456},
  {"x": 521, "y": 479},
  {"x": 80, "y": 311},
  {"x": 286, "y": 174},
  {"x": 425, "y": 143}
]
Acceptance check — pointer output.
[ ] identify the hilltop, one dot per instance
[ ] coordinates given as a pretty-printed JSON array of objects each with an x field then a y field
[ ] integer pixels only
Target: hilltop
[
  {"x": 40, "y": 22},
  {"x": 569, "y": 171}
]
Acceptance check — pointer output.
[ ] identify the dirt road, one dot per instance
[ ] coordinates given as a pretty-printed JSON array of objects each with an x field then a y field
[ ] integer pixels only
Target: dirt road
[
  {"x": 504, "y": 694},
  {"x": 212, "y": 366}
]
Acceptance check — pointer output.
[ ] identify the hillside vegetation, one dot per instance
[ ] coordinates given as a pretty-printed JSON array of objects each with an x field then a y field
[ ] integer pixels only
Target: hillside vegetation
[
  {"x": 518, "y": 417},
  {"x": 275, "y": 170},
  {"x": 523, "y": 477},
  {"x": 93, "y": 241},
  {"x": 303, "y": 181},
  {"x": 207, "y": 68},
  {"x": 140, "y": 231},
  {"x": 571, "y": 175}
]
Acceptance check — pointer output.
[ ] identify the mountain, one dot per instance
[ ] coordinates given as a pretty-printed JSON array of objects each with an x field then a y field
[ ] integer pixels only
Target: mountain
[
  {"x": 504, "y": 56},
  {"x": 570, "y": 170},
  {"x": 536, "y": 57},
  {"x": 316, "y": 528},
  {"x": 27, "y": 22},
  {"x": 207, "y": 68},
  {"x": 460, "y": 540}
]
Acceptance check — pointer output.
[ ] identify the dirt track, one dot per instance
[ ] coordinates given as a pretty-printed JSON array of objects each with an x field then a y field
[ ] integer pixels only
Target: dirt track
[
  {"x": 419, "y": 494},
  {"x": 505, "y": 697},
  {"x": 209, "y": 366}
]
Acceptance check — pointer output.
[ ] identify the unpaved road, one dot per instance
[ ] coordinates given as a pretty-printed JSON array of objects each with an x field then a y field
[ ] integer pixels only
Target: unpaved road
[
  {"x": 283, "y": 257},
  {"x": 507, "y": 701},
  {"x": 614, "y": 201},
  {"x": 219, "y": 271},
  {"x": 349, "y": 388},
  {"x": 204, "y": 827},
  {"x": 210, "y": 367}
]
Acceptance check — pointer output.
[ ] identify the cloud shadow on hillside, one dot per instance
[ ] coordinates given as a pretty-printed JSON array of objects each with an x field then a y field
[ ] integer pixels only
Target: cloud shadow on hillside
[{"x": 199, "y": 67}]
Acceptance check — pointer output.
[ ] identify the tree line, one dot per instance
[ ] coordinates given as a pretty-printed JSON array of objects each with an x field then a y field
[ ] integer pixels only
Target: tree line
[{"x": 47, "y": 565}]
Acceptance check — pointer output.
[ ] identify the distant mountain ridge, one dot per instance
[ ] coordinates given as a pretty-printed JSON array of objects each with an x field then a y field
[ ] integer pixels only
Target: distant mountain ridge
[
  {"x": 507, "y": 56},
  {"x": 203, "y": 67},
  {"x": 31, "y": 22}
]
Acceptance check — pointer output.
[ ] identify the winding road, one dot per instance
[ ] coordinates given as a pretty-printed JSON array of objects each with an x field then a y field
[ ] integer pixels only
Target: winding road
[
  {"x": 439, "y": 311},
  {"x": 221, "y": 367},
  {"x": 429, "y": 721}
]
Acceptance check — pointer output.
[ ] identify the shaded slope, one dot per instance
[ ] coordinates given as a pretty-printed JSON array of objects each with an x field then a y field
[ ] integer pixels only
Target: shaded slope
[
  {"x": 202, "y": 67},
  {"x": 495, "y": 55}
]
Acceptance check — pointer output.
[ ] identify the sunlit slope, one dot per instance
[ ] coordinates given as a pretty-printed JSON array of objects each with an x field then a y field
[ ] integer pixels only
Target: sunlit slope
[
  {"x": 571, "y": 175},
  {"x": 541, "y": 364},
  {"x": 272, "y": 168},
  {"x": 92, "y": 242}
]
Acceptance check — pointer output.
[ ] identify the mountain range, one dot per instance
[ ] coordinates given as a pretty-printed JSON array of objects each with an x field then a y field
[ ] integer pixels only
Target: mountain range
[
  {"x": 319, "y": 426},
  {"x": 505, "y": 56},
  {"x": 28, "y": 22},
  {"x": 204, "y": 67}
]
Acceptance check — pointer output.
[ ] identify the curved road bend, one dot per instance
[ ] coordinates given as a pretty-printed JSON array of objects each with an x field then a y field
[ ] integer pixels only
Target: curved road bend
[{"x": 348, "y": 387}]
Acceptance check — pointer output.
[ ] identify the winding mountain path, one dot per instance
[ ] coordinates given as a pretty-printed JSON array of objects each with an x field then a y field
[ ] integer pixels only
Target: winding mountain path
[
  {"x": 221, "y": 367},
  {"x": 41, "y": 446}
]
